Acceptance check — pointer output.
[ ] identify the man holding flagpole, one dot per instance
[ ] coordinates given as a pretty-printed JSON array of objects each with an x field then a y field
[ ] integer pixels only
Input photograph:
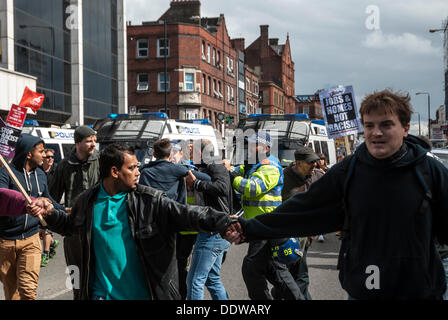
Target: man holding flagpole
[{"x": 20, "y": 248}]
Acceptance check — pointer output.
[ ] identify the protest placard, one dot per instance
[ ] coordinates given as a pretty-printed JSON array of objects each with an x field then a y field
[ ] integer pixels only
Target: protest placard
[
  {"x": 8, "y": 139},
  {"x": 16, "y": 116},
  {"x": 340, "y": 112}
]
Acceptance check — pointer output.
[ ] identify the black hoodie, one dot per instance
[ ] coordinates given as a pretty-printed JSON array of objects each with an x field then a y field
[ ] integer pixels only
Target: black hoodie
[
  {"x": 386, "y": 229},
  {"x": 35, "y": 183}
]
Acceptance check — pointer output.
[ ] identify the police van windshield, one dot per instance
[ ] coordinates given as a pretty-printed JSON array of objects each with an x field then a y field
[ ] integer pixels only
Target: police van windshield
[
  {"x": 130, "y": 130},
  {"x": 287, "y": 132},
  {"x": 283, "y": 128}
]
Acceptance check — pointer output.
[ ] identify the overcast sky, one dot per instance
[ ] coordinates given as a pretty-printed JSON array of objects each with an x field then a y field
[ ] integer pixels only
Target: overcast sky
[{"x": 370, "y": 45}]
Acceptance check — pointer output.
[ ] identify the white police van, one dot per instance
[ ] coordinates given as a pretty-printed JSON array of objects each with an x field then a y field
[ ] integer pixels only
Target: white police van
[
  {"x": 288, "y": 132},
  {"x": 142, "y": 130},
  {"x": 60, "y": 140}
]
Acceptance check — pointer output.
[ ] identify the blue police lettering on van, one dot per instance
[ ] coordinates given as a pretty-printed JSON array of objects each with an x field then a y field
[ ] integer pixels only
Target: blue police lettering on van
[
  {"x": 190, "y": 130},
  {"x": 63, "y": 135}
]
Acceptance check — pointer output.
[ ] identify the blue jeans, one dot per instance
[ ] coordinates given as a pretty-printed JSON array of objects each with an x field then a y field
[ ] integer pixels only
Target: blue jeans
[
  {"x": 205, "y": 267},
  {"x": 445, "y": 265}
]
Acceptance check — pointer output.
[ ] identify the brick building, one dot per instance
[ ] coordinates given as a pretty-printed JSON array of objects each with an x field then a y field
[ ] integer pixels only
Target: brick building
[
  {"x": 252, "y": 89},
  {"x": 276, "y": 67},
  {"x": 309, "y": 104},
  {"x": 201, "y": 77}
]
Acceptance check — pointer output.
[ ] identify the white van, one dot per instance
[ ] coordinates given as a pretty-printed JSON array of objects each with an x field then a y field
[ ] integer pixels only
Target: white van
[
  {"x": 60, "y": 140},
  {"x": 288, "y": 132},
  {"x": 142, "y": 130}
]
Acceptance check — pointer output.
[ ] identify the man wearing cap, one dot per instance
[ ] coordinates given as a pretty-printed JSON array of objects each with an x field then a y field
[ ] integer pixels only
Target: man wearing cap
[
  {"x": 298, "y": 176},
  {"x": 76, "y": 173},
  {"x": 260, "y": 182}
]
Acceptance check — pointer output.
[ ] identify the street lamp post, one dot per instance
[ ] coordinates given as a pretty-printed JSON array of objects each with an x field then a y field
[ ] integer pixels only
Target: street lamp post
[{"x": 429, "y": 112}]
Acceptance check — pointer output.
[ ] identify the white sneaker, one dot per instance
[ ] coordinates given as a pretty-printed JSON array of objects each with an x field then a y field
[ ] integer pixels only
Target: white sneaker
[{"x": 321, "y": 238}]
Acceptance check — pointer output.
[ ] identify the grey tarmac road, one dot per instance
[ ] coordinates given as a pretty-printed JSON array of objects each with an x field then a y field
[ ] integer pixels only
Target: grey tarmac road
[{"x": 322, "y": 258}]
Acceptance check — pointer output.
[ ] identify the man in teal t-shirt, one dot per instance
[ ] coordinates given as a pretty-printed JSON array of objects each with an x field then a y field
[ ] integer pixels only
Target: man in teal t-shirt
[
  {"x": 118, "y": 274},
  {"x": 125, "y": 232}
]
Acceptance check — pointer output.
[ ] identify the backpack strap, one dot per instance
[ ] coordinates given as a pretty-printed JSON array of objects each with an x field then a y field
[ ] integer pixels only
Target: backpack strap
[
  {"x": 347, "y": 167},
  {"x": 422, "y": 170}
]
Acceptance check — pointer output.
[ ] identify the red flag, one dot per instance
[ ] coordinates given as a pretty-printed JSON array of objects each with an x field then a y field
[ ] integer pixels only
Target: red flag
[{"x": 31, "y": 99}]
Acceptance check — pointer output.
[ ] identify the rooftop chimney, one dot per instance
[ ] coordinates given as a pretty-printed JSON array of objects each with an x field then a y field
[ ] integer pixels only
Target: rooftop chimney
[
  {"x": 264, "y": 32},
  {"x": 186, "y": 11},
  {"x": 273, "y": 42},
  {"x": 238, "y": 44}
]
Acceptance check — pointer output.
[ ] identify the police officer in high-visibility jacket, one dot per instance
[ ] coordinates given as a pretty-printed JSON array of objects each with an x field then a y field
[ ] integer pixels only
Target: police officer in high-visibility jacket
[{"x": 260, "y": 185}]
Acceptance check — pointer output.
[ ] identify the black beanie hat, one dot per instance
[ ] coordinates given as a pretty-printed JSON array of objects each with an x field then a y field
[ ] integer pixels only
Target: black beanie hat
[{"x": 83, "y": 132}]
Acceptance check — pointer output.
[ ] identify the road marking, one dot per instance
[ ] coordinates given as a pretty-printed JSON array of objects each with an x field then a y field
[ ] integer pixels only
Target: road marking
[{"x": 50, "y": 297}]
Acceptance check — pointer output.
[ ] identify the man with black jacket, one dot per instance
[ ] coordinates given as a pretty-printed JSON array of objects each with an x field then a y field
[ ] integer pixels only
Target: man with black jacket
[
  {"x": 126, "y": 232},
  {"x": 209, "y": 248},
  {"x": 169, "y": 177},
  {"x": 380, "y": 200}
]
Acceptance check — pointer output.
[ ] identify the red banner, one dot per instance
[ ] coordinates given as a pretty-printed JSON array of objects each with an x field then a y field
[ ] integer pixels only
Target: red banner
[
  {"x": 16, "y": 116},
  {"x": 31, "y": 99}
]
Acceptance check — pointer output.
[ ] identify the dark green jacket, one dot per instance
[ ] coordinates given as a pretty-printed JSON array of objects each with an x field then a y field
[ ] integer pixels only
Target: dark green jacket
[{"x": 73, "y": 176}]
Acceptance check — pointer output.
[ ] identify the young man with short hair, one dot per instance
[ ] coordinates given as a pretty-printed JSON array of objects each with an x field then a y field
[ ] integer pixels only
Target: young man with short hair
[
  {"x": 380, "y": 199},
  {"x": 79, "y": 171}
]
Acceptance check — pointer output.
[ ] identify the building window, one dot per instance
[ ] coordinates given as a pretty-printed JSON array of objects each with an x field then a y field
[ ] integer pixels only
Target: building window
[
  {"x": 247, "y": 84},
  {"x": 163, "y": 47},
  {"x": 230, "y": 95},
  {"x": 215, "y": 93},
  {"x": 219, "y": 90},
  {"x": 142, "y": 82},
  {"x": 203, "y": 83},
  {"x": 229, "y": 65},
  {"x": 306, "y": 109},
  {"x": 164, "y": 84},
  {"x": 142, "y": 48},
  {"x": 219, "y": 60},
  {"x": 214, "y": 57},
  {"x": 203, "y": 50},
  {"x": 255, "y": 88},
  {"x": 208, "y": 53},
  {"x": 189, "y": 81},
  {"x": 209, "y": 84}
]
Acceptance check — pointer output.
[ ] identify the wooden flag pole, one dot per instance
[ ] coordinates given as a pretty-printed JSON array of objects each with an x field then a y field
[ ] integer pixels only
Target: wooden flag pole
[{"x": 19, "y": 185}]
